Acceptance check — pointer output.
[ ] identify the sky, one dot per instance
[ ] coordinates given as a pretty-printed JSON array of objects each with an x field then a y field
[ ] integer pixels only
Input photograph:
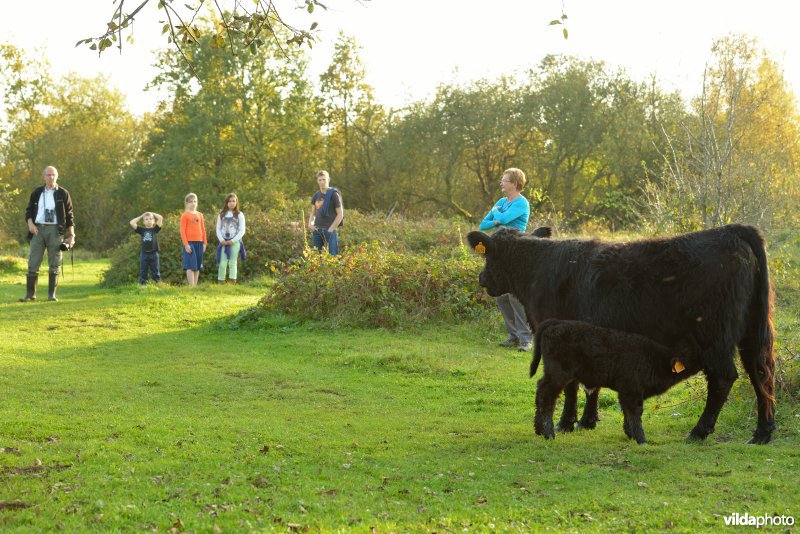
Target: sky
[{"x": 411, "y": 46}]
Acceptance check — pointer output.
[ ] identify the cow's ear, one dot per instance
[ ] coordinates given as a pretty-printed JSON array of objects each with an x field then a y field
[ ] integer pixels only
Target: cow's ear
[
  {"x": 542, "y": 231},
  {"x": 480, "y": 242}
]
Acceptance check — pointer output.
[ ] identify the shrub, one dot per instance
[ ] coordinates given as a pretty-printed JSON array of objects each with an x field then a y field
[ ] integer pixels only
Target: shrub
[
  {"x": 403, "y": 234},
  {"x": 270, "y": 236},
  {"x": 12, "y": 265},
  {"x": 372, "y": 285},
  {"x": 279, "y": 236}
]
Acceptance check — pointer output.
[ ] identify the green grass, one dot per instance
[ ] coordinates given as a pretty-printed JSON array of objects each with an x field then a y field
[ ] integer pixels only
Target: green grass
[{"x": 146, "y": 409}]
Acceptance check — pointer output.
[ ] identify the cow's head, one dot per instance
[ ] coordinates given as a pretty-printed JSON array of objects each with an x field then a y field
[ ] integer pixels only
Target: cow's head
[{"x": 498, "y": 272}]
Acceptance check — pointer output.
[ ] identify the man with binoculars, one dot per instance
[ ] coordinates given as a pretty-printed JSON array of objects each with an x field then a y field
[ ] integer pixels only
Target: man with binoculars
[{"x": 51, "y": 228}]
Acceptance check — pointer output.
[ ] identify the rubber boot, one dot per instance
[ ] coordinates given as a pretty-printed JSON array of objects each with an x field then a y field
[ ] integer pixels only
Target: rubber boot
[
  {"x": 30, "y": 293},
  {"x": 52, "y": 287}
]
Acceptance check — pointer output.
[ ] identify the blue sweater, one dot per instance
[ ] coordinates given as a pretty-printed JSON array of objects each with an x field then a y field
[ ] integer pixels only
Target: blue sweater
[{"x": 512, "y": 214}]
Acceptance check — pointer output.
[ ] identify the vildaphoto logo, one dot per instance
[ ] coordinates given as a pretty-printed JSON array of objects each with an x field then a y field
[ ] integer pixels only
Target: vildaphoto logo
[{"x": 758, "y": 521}]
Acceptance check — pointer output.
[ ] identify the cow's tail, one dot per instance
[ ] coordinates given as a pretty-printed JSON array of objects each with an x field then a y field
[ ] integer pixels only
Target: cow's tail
[
  {"x": 537, "y": 342},
  {"x": 762, "y": 364}
]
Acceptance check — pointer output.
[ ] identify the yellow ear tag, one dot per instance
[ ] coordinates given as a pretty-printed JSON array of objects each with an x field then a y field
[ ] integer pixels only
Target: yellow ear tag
[
  {"x": 677, "y": 367},
  {"x": 480, "y": 248}
]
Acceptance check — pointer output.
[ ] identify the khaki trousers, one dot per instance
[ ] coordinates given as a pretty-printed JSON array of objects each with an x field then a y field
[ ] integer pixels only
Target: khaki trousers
[{"x": 48, "y": 239}]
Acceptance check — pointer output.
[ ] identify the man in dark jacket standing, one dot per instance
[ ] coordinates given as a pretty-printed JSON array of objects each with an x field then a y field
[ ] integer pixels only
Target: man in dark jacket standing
[{"x": 50, "y": 223}]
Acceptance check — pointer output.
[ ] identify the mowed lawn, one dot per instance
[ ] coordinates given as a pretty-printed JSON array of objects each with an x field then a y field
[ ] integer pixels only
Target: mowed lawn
[{"x": 153, "y": 409}]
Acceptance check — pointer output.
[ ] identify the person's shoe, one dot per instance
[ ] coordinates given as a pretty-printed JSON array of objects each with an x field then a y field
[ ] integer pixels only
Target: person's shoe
[
  {"x": 30, "y": 283},
  {"x": 509, "y": 343},
  {"x": 527, "y": 347},
  {"x": 232, "y": 281},
  {"x": 53, "y": 284}
]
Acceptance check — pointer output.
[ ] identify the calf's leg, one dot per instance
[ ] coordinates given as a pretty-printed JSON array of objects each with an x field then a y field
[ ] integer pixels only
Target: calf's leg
[
  {"x": 591, "y": 414},
  {"x": 632, "y": 410},
  {"x": 546, "y": 396},
  {"x": 569, "y": 415}
]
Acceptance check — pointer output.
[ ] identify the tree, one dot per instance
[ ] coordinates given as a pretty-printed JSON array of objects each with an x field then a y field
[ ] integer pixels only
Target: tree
[
  {"x": 354, "y": 123},
  {"x": 449, "y": 154},
  {"x": 597, "y": 138},
  {"x": 27, "y": 90},
  {"x": 575, "y": 98},
  {"x": 235, "y": 121},
  {"x": 78, "y": 125},
  {"x": 91, "y": 138},
  {"x": 239, "y": 27},
  {"x": 738, "y": 155}
]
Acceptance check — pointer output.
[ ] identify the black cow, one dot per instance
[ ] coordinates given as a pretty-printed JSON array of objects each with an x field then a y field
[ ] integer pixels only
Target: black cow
[
  {"x": 634, "y": 366},
  {"x": 707, "y": 289}
]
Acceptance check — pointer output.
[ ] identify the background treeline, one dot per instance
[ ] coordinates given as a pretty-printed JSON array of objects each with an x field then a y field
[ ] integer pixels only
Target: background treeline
[{"x": 600, "y": 149}]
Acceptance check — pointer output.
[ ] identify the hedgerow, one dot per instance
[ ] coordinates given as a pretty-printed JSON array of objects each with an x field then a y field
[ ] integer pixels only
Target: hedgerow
[
  {"x": 401, "y": 233},
  {"x": 270, "y": 236},
  {"x": 279, "y": 237},
  {"x": 372, "y": 285}
]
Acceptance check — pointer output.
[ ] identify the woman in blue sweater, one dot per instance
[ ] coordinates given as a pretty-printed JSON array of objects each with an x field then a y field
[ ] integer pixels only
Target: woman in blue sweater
[{"x": 511, "y": 211}]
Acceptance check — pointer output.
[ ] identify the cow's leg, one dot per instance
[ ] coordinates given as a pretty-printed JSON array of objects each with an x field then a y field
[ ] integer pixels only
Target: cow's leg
[
  {"x": 591, "y": 414},
  {"x": 719, "y": 386},
  {"x": 760, "y": 366},
  {"x": 569, "y": 415},
  {"x": 632, "y": 410},
  {"x": 546, "y": 396}
]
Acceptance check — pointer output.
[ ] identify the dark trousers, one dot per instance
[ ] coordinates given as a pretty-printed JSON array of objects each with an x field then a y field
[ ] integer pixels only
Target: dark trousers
[
  {"x": 148, "y": 261},
  {"x": 326, "y": 239}
]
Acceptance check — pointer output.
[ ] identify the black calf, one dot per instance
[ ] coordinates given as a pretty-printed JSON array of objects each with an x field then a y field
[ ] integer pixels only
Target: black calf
[{"x": 634, "y": 366}]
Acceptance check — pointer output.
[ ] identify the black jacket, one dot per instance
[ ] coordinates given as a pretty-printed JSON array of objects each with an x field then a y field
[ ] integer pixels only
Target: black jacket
[{"x": 64, "y": 216}]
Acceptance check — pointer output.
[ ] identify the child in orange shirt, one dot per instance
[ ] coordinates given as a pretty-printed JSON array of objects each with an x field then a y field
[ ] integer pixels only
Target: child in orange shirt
[{"x": 193, "y": 235}]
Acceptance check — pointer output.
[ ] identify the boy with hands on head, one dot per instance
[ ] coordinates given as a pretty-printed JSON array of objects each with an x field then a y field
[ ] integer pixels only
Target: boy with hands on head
[{"x": 148, "y": 259}]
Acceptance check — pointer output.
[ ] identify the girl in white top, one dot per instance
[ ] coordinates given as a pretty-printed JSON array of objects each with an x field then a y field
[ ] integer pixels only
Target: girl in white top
[{"x": 230, "y": 230}]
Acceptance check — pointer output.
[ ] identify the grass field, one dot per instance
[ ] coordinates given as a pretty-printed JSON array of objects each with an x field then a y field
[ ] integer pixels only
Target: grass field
[{"x": 152, "y": 409}]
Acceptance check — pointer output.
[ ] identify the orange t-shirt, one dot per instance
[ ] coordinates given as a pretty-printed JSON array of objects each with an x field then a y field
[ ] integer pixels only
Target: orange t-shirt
[{"x": 193, "y": 228}]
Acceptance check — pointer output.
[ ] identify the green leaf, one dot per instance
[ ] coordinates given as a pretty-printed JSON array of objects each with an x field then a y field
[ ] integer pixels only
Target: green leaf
[
  {"x": 564, "y": 16},
  {"x": 310, "y": 7},
  {"x": 566, "y": 34},
  {"x": 164, "y": 29},
  {"x": 554, "y": 22},
  {"x": 93, "y": 47},
  {"x": 313, "y": 25}
]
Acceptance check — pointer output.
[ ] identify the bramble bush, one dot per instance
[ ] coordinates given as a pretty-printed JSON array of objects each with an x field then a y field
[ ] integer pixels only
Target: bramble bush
[{"x": 373, "y": 285}]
